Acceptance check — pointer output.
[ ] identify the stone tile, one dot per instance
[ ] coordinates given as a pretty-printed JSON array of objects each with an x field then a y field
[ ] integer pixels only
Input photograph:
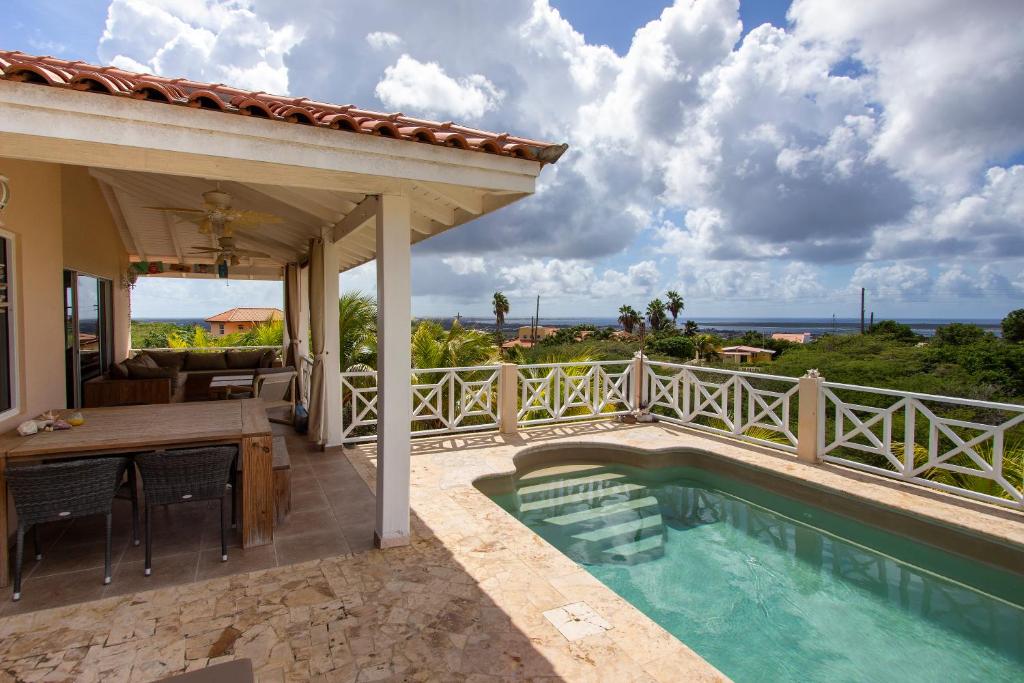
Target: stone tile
[
  {"x": 577, "y": 620},
  {"x": 168, "y": 570},
  {"x": 55, "y": 590},
  {"x": 309, "y": 546},
  {"x": 239, "y": 561},
  {"x": 304, "y": 522}
]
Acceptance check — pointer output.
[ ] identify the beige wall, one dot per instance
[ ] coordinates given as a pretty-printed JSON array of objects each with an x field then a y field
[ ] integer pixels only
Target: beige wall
[
  {"x": 92, "y": 244},
  {"x": 59, "y": 219}
]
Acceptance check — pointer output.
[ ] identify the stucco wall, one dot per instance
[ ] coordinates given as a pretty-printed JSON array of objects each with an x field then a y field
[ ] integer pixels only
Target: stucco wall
[
  {"x": 92, "y": 244},
  {"x": 59, "y": 219},
  {"x": 34, "y": 216}
]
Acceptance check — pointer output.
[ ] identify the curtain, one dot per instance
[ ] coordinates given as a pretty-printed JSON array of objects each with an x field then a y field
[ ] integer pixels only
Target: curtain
[
  {"x": 317, "y": 394},
  {"x": 292, "y": 317}
]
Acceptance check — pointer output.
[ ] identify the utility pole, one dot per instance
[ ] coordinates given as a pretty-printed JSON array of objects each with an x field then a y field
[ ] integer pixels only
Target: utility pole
[
  {"x": 833, "y": 323},
  {"x": 862, "y": 310},
  {"x": 871, "y": 325}
]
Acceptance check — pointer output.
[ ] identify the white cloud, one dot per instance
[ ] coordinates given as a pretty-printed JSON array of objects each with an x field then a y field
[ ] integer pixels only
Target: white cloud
[
  {"x": 894, "y": 281},
  {"x": 870, "y": 130},
  {"x": 464, "y": 265},
  {"x": 425, "y": 87},
  {"x": 382, "y": 40},
  {"x": 573, "y": 278},
  {"x": 199, "y": 39}
]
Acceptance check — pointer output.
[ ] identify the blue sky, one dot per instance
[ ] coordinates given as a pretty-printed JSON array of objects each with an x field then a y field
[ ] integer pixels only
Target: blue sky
[{"x": 760, "y": 170}]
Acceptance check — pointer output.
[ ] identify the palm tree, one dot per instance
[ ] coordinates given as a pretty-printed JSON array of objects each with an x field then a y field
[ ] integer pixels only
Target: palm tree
[
  {"x": 675, "y": 304},
  {"x": 628, "y": 318},
  {"x": 501, "y": 309},
  {"x": 434, "y": 347},
  {"x": 690, "y": 329},
  {"x": 357, "y": 327},
  {"x": 704, "y": 345},
  {"x": 656, "y": 316}
]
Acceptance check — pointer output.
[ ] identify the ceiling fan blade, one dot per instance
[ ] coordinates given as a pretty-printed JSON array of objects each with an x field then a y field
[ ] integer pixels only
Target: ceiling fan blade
[
  {"x": 207, "y": 249},
  {"x": 250, "y": 218},
  {"x": 175, "y": 209}
]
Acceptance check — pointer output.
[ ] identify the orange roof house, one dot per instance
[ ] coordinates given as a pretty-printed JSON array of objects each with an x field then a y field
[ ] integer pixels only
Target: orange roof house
[
  {"x": 240, "y": 319},
  {"x": 795, "y": 337}
]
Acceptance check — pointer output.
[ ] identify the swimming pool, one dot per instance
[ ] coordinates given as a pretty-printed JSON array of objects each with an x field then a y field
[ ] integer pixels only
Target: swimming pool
[{"x": 768, "y": 588}]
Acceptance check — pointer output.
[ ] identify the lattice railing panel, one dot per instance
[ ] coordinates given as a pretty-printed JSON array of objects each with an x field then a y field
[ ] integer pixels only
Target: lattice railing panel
[
  {"x": 968, "y": 447},
  {"x": 555, "y": 392}
]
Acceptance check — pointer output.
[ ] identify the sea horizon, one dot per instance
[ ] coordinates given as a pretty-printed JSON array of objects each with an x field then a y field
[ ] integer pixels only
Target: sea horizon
[{"x": 733, "y": 325}]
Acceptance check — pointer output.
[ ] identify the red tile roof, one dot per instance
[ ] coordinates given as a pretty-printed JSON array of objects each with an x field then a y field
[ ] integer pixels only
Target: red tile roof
[
  {"x": 247, "y": 315},
  {"x": 109, "y": 80}
]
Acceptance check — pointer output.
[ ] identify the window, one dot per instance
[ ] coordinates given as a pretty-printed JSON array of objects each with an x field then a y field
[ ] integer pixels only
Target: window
[
  {"x": 221, "y": 326},
  {"x": 8, "y": 334},
  {"x": 88, "y": 324}
]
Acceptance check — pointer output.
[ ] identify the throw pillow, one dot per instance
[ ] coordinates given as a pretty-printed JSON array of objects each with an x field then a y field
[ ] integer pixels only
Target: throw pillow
[
  {"x": 119, "y": 371},
  {"x": 244, "y": 360},
  {"x": 168, "y": 359},
  {"x": 206, "y": 361}
]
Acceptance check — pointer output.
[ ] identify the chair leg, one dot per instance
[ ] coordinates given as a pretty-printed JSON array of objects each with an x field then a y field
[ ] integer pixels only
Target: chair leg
[
  {"x": 35, "y": 542},
  {"x": 133, "y": 486},
  {"x": 149, "y": 543},
  {"x": 106, "y": 554},
  {"x": 19, "y": 552},
  {"x": 223, "y": 532}
]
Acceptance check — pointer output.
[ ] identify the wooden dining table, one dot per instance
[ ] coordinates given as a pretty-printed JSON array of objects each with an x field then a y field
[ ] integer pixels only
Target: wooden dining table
[{"x": 131, "y": 429}]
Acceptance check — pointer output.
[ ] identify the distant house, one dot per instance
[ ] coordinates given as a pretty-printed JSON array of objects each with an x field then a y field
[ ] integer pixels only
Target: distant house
[
  {"x": 795, "y": 337},
  {"x": 745, "y": 354},
  {"x": 524, "y": 337},
  {"x": 242, "y": 319}
]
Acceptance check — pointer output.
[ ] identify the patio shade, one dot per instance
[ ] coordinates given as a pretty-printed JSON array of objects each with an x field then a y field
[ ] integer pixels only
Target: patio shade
[
  {"x": 292, "y": 314},
  {"x": 317, "y": 396}
]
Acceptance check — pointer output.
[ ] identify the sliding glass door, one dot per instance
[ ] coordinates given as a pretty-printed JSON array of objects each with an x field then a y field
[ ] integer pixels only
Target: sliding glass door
[{"x": 88, "y": 326}]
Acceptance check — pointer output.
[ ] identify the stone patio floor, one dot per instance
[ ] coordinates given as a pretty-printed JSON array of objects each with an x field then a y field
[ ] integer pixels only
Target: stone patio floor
[{"x": 465, "y": 601}]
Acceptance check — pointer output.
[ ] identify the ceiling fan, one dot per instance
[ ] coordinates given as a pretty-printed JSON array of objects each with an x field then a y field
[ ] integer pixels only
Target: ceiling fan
[
  {"x": 228, "y": 253},
  {"x": 217, "y": 217}
]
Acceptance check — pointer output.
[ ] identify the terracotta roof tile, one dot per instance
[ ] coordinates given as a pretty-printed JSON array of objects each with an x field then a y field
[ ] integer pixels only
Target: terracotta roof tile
[
  {"x": 247, "y": 315},
  {"x": 61, "y": 73}
]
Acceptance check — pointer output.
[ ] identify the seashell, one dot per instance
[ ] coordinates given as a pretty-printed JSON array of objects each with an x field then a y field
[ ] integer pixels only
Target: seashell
[
  {"x": 59, "y": 425},
  {"x": 28, "y": 427},
  {"x": 48, "y": 416}
]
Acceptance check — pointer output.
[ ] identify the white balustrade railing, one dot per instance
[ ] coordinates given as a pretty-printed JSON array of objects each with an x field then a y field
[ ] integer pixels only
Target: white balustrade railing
[
  {"x": 444, "y": 400},
  {"x": 954, "y": 444},
  {"x": 557, "y": 392},
  {"x": 733, "y": 402},
  {"x": 935, "y": 441}
]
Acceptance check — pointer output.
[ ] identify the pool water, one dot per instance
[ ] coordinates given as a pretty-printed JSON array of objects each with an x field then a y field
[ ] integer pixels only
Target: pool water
[{"x": 769, "y": 589}]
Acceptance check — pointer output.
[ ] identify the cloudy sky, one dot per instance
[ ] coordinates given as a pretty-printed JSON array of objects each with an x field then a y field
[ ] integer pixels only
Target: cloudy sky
[{"x": 763, "y": 157}]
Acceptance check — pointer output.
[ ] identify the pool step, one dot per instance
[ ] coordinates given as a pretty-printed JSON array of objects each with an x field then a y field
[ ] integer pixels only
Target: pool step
[
  {"x": 592, "y": 495},
  {"x": 590, "y": 480},
  {"x": 630, "y": 528},
  {"x": 634, "y": 548},
  {"x": 593, "y": 513}
]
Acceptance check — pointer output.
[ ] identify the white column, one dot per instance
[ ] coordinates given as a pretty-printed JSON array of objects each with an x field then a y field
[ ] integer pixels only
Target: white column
[
  {"x": 332, "y": 346},
  {"x": 394, "y": 367}
]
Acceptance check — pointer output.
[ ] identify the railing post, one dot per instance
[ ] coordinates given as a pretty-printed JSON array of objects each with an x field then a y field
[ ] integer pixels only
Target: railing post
[
  {"x": 808, "y": 424},
  {"x": 508, "y": 399},
  {"x": 637, "y": 370}
]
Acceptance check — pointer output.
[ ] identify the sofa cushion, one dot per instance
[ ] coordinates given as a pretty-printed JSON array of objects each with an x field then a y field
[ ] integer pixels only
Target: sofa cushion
[
  {"x": 168, "y": 359},
  {"x": 273, "y": 371},
  {"x": 268, "y": 358},
  {"x": 139, "y": 371},
  {"x": 244, "y": 360},
  {"x": 140, "y": 361},
  {"x": 206, "y": 361}
]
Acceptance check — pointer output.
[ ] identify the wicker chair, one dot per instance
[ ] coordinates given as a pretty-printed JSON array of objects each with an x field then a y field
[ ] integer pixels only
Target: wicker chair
[
  {"x": 60, "y": 491},
  {"x": 185, "y": 476}
]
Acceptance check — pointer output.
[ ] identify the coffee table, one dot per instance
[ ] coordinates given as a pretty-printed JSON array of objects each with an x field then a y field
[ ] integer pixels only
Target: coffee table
[{"x": 222, "y": 386}]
